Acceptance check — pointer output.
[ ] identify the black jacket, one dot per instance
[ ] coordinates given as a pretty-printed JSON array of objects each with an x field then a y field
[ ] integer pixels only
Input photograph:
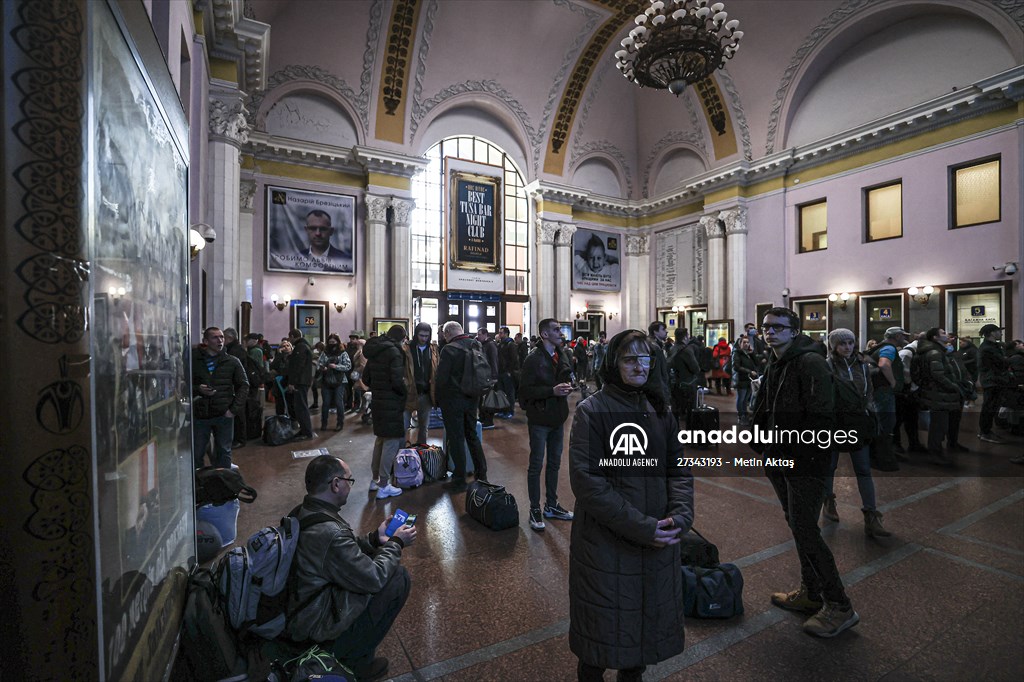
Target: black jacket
[
  {"x": 228, "y": 378},
  {"x": 384, "y": 374},
  {"x": 993, "y": 367},
  {"x": 491, "y": 353},
  {"x": 969, "y": 354},
  {"x": 935, "y": 377},
  {"x": 743, "y": 364},
  {"x": 508, "y": 357},
  {"x": 299, "y": 370},
  {"x": 796, "y": 393},
  {"x": 536, "y": 387},
  {"x": 683, "y": 368},
  {"x": 450, "y": 368},
  {"x": 659, "y": 367}
]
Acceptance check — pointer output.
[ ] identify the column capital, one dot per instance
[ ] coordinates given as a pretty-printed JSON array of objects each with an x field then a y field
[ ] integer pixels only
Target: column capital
[
  {"x": 403, "y": 210},
  {"x": 714, "y": 228},
  {"x": 735, "y": 220},
  {"x": 227, "y": 117},
  {"x": 376, "y": 209},
  {"x": 547, "y": 230},
  {"x": 638, "y": 245},
  {"x": 565, "y": 233}
]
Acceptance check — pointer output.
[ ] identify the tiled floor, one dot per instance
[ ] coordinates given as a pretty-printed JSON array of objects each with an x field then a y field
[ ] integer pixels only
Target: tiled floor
[{"x": 943, "y": 599}]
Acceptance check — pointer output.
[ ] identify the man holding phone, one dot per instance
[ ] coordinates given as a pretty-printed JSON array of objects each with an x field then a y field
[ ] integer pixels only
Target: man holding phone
[
  {"x": 219, "y": 388},
  {"x": 355, "y": 586}
]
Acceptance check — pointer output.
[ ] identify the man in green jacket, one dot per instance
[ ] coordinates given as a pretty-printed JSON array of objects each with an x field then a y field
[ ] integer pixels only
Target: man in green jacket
[
  {"x": 355, "y": 586},
  {"x": 219, "y": 388}
]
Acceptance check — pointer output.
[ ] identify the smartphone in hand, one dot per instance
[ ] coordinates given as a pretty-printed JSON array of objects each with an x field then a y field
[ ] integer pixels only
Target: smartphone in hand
[{"x": 399, "y": 520}]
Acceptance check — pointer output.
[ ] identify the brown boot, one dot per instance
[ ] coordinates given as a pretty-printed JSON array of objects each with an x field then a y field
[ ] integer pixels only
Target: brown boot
[
  {"x": 873, "y": 524},
  {"x": 829, "y": 510}
]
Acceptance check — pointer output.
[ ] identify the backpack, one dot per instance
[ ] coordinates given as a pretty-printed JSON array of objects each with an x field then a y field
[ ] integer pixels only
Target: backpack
[
  {"x": 877, "y": 378},
  {"x": 208, "y": 643},
  {"x": 706, "y": 359},
  {"x": 408, "y": 468},
  {"x": 252, "y": 578},
  {"x": 215, "y": 485},
  {"x": 476, "y": 373},
  {"x": 313, "y": 664}
]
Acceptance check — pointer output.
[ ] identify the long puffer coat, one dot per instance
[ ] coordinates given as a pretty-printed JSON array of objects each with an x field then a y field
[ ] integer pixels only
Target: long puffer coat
[
  {"x": 384, "y": 374},
  {"x": 625, "y": 597}
]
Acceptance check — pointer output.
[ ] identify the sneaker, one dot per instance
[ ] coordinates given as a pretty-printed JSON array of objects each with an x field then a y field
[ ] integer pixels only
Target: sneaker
[
  {"x": 486, "y": 427},
  {"x": 797, "y": 600},
  {"x": 828, "y": 510},
  {"x": 831, "y": 620},
  {"x": 536, "y": 519},
  {"x": 989, "y": 438},
  {"x": 388, "y": 491},
  {"x": 373, "y": 485},
  {"x": 555, "y": 511}
]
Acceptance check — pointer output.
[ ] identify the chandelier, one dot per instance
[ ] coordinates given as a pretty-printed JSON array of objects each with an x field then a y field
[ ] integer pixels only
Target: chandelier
[{"x": 678, "y": 43}]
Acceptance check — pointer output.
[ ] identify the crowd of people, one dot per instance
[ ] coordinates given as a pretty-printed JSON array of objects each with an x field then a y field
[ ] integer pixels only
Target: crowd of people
[{"x": 625, "y": 585}]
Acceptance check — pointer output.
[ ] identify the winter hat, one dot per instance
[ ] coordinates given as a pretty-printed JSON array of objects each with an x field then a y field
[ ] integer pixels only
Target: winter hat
[
  {"x": 837, "y": 336},
  {"x": 396, "y": 333},
  {"x": 619, "y": 344}
]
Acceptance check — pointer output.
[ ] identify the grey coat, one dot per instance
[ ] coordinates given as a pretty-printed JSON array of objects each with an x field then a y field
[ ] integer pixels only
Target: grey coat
[{"x": 625, "y": 597}]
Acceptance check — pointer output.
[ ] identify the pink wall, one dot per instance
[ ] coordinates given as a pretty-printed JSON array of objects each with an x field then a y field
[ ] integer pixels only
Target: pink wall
[{"x": 928, "y": 252}]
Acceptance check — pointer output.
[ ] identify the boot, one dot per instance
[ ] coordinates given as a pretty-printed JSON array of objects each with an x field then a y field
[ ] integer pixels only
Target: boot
[
  {"x": 829, "y": 510},
  {"x": 873, "y": 524}
]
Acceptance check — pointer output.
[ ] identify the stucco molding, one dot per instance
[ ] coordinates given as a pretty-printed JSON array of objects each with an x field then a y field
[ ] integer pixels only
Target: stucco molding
[
  {"x": 227, "y": 119},
  {"x": 246, "y": 194},
  {"x": 486, "y": 87},
  {"x": 547, "y": 230},
  {"x": 735, "y": 220},
  {"x": 297, "y": 73},
  {"x": 638, "y": 245},
  {"x": 565, "y": 234},
  {"x": 605, "y": 148},
  {"x": 738, "y": 117},
  {"x": 691, "y": 140},
  {"x": 426, "y": 33},
  {"x": 713, "y": 227}
]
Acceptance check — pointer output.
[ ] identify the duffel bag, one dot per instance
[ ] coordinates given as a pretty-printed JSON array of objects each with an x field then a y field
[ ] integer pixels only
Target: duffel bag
[
  {"x": 491, "y": 505},
  {"x": 408, "y": 468},
  {"x": 433, "y": 461},
  {"x": 713, "y": 592},
  {"x": 216, "y": 485},
  {"x": 279, "y": 429},
  {"x": 696, "y": 550}
]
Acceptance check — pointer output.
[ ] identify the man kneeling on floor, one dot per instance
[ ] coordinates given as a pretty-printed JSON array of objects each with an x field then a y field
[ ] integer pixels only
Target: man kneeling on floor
[{"x": 355, "y": 586}]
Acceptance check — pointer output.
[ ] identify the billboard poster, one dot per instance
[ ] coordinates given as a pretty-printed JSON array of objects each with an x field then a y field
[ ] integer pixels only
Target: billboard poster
[
  {"x": 596, "y": 260},
  {"x": 474, "y": 220},
  {"x": 310, "y": 232}
]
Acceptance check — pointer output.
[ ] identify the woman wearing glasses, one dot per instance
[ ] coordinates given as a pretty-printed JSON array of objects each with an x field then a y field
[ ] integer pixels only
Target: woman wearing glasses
[{"x": 632, "y": 505}]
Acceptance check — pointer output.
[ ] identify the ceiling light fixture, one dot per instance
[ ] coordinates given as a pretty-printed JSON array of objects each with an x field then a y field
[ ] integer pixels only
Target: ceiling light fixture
[{"x": 677, "y": 43}]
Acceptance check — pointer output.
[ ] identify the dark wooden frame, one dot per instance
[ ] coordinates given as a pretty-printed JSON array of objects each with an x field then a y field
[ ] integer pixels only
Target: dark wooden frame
[
  {"x": 867, "y": 212},
  {"x": 800, "y": 225},
  {"x": 951, "y": 189}
]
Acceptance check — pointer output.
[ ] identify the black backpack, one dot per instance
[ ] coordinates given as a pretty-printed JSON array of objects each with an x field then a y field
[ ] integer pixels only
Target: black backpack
[
  {"x": 706, "y": 359},
  {"x": 476, "y": 373},
  {"x": 208, "y": 643}
]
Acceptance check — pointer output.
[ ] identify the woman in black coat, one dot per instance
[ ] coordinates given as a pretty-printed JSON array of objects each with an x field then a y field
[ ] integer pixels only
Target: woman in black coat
[
  {"x": 625, "y": 578},
  {"x": 384, "y": 374}
]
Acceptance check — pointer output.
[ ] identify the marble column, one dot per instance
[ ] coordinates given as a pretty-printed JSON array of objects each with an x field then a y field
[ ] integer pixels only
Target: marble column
[
  {"x": 735, "y": 220},
  {"x": 375, "y": 303},
  {"x": 228, "y": 132},
  {"x": 563, "y": 272},
  {"x": 545, "y": 283},
  {"x": 716, "y": 266},
  {"x": 637, "y": 297},
  {"x": 401, "y": 257}
]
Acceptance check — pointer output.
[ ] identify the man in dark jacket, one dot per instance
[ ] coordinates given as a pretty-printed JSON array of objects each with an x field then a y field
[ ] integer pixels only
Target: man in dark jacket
[
  {"x": 491, "y": 353},
  {"x": 508, "y": 365},
  {"x": 234, "y": 348},
  {"x": 994, "y": 375},
  {"x": 420, "y": 370},
  {"x": 797, "y": 395},
  {"x": 938, "y": 391},
  {"x": 969, "y": 354},
  {"x": 384, "y": 374},
  {"x": 543, "y": 390},
  {"x": 458, "y": 410},
  {"x": 684, "y": 375},
  {"x": 299, "y": 377},
  {"x": 220, "y": 388},
  {"x": 356, "y": 584},
  {"x": 657, "y": 333}
]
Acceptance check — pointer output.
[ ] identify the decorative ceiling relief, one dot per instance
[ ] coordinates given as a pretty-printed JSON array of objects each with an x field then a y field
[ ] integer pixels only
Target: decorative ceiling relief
[
  {"x": 593, "y": 90},
  {"x": 299, "y": 72},
  {"x": 836, "y": 17},
  {"x": 691, "y": 138},
  {"x": 606, "y": 147},
  {"x": 490, "y": 87},
  {"x": 737, "y": 111},
  {"x": 396, "y": 60}
]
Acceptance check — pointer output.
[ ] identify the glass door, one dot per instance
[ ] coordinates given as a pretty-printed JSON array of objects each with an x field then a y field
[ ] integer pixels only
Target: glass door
[{"x": 880, "y": 313}]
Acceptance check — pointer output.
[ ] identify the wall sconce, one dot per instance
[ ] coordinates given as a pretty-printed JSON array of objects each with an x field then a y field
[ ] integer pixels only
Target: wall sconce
[
  {"x": 842, "y": 298},
  {"x": 785, "y": 293},
  {"x": 276, "y": 300},
  {"x": 116, "y": 293},
  {"x": 612, "y": 314},
  {"x": 921, "y": 295},
  {"x": 675, "y": 309},
  {"x": 196, "y": 243},
  {"x": 581, "y": 313},
  {"x": 341, "y": 306}
]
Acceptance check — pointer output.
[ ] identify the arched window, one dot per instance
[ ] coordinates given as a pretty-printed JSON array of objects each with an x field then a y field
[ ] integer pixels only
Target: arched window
[{"x": 429, "y": 218}]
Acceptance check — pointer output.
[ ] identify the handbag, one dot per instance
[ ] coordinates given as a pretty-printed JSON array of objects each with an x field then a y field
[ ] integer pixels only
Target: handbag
[
  {"x": 215, "y": 485},
  {"x": 496, "y": 400}
]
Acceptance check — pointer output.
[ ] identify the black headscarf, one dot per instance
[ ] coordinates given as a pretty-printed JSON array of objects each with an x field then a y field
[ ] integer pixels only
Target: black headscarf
[{"x": 620, "y": 343}]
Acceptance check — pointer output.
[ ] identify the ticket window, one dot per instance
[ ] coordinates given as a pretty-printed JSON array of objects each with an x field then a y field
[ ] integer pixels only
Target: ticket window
[
  {"x": 881, "y": 313},
  {"x": 813, "y": 318}
]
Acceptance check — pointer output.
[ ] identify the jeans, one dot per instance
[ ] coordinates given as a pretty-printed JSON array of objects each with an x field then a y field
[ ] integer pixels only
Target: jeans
[
  {"x": 541, "y": 438},
  {"x": 223, "y": 430},
  {"x": 384, "y": 451},
  {"x": 506, "y": 384},
  {"x": 742, "y": 400},
  {"x": 801, "y": 498},
  {"x": 300, "y": 409},
  {"x": 333, "y": 397},
  {"x": 460, "y": 428},
  {"x": 423, "y": 406},
  {"x": 862, "y": 467},
  {"x": 356, "y": 646},
  {"x": 989, "y": 409}
]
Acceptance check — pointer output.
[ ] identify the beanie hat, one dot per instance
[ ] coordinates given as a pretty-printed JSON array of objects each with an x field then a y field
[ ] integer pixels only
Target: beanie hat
[{"x": 837, "y": 336}]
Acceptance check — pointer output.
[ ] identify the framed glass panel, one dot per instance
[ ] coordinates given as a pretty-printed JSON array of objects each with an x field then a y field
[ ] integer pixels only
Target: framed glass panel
[
  {"x": 975, "y": 194},
  {"x": 882, "y": 312},
  {"x": 973, "y": 310},
  {"x": 813, "y": 317},
  {"x": 883, "y": 212},
  {"x": 813, "y": 226}
]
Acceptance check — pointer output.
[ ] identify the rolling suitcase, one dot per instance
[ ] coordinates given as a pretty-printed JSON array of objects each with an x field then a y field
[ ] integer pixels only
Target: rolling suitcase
[{"x": 704, "y": 418}]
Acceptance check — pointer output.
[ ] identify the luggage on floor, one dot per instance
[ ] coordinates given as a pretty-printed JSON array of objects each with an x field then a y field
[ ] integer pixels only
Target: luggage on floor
[
  {"x": 281, "y": 428},
  {"x": 696, "y": 550},
  {"x": 408, "y": 468},
  {"x": 433, "y": 461},
  {"x": 492, "y": 505},
  {"x": 713, "y": 592},
  {"x": 436, "y": 421},
  {"x": 469, "y": 457},
  {"x": 704, "y": 418},
  {"x": 217, "y": 485},
  {"x": 208, "y": 642}
]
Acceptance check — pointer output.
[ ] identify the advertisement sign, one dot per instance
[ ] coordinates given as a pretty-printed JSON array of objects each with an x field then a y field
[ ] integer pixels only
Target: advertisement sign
[
  {"x": 310, "y": 232},
  {"x": 474, "y": 216},
  {"x": 596, "y": 260}
]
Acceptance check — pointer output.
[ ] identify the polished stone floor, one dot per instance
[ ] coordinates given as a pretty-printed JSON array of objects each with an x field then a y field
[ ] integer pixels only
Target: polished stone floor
[{"x": 943, "y": 599}]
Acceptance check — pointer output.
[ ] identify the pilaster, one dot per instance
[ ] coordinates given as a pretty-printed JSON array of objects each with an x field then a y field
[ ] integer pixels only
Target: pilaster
[
  {"x": 637, "y": 297},
  {"x": 716, "y": 265}
]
